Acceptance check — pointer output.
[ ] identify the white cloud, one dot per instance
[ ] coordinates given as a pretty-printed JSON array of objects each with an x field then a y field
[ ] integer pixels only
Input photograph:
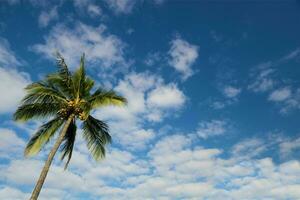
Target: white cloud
[
  {"x": 231, "y": 92},
  {"x": 121, "y": 6},
  {"x": 263, "y": 80},
  {"x": 99, "y": 46},
  {"x": 249, "y": 148},
  {"x": 47, "y": 16},
  {"x": 12, "y": 87},
  {"x": 94, "y": 10},
  {"x": 10, "y": 143},
  {"x": 288, "y": 146},
  {"x": 88, "y": 7},
  {"x": 12, "y": 81},
  {"x": 182, "y": 56},
  {"x": 218, "y": 105},
  {"x": 10, "y": 193},
  {"x": 281, "y": 94},
  {"x": 168, "y": 96},
  {"x": 7, "y": 56},
  {"x": 149, "y": 100},
  {"x": 174, "y": 168},
  {"x": 293, "y": 54},
  {"x": 152, "y": 59},
  {"x": 211, "y": 128}
]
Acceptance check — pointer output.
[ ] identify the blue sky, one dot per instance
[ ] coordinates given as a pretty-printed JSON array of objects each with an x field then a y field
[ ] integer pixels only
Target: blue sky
[{"x": 213, "y": 90}]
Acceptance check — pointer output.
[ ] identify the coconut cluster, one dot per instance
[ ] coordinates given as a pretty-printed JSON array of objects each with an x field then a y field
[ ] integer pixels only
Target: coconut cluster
[{"x": 72, "y": 108}]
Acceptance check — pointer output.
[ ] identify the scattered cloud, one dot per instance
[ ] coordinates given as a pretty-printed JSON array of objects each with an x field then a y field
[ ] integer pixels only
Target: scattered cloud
[
  {"x": 121, "y": 6},
  {"x": 288, "y": 146},
  {"x": 88, "y": 7},
  {"x": 263, "y": 80},
  {"x": 211, "y": 128},
  {"x": 47, "y": 16},
  {"x": 231, "y": 92},
  {"x": 182, "y": 56},
  {"x": 292, "y": 55},
  {"x": 7, "y": 56},
  {"x": 249, "y": 148},
  {"x": 152, "y": 59},
  {"x": 99, "y": 46},
  {"x": 94, "y": 10},
  {"x": 280, "y": 94}
]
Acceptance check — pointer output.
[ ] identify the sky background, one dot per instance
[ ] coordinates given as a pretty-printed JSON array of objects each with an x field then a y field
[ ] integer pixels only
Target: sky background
[{"x": 213, "y": 90}]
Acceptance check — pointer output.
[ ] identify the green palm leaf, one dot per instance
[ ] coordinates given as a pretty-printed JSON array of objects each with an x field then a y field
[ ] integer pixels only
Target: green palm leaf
[
  {"x": 105, "y": 98},
  {"x": 68, "y": 143},
  {"x": 95, "y": 132},
  {"x": 42, "y": 136},
  {"x": 78, "y": 79},
  {"x": 36, "y": 111},
  {"x": 39, "y": 92}
]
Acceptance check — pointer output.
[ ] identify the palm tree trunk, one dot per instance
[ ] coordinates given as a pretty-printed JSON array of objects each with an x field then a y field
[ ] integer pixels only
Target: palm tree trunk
[{"x": 40, "y": 182}]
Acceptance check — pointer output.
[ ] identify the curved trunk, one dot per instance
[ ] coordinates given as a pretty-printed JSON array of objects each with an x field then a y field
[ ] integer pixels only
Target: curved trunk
[{"x": 40, "y": 182}]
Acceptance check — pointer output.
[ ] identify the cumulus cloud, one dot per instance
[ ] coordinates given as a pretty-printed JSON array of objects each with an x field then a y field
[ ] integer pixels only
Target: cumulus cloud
[
  {"x": 211, "y": 128},
  {"x": 173, "y": 168},
  {"x": 182, "y": 56},
  {"x": 47, "y": 16},
  {"x": 99, "y": 46},
  {"x": 12, "y": 88},
  {"x": 10, "y": 143},
  {"x": 166, "y": 97},
  {"x": 12, "y": 81},
  {"x": 149, "y": 100},
  {"x": 10, "y": 193}
]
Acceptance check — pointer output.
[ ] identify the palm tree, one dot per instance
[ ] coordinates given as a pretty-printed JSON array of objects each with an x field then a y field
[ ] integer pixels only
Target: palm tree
[{"x": 66, "y": 97}]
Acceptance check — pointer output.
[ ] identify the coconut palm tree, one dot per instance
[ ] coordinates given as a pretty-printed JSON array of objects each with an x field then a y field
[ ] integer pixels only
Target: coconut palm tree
[{"x": 65, "y": 97}]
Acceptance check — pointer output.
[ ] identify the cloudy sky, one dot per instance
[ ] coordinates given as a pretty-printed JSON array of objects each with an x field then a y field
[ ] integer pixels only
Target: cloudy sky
[{"x": 213, "y": 90}]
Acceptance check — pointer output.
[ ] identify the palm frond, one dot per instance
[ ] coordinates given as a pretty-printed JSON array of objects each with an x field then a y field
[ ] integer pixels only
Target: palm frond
[
  {"x": 63, "y": 70},
  {"x": 78, "y": 79},
  {"x": 42, "y": 136},
  {"x": 88, "y": 85},
  {"x": 68, "y": 143},
  {"x": 104, "y": 98},
  {"x": 36, "y": 111},
  {"x": 59, "y": 82},
  {"x": 39, "y": 92},
  {"x": 96, "y": 134}
]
